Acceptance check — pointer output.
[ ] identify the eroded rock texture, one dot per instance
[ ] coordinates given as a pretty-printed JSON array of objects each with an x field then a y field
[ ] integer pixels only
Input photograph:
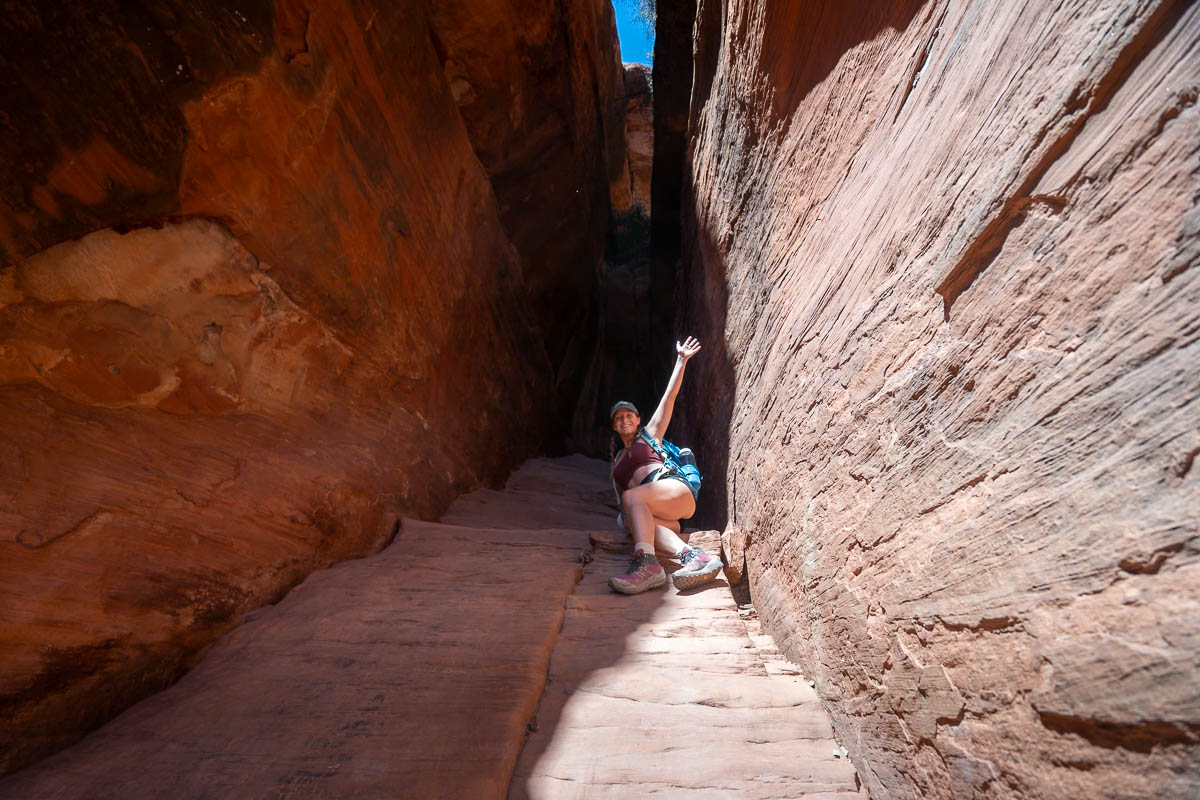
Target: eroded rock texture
[
  {"x": 259, "y": 298},
  {"x": 407, "y": 668},
  {"x": 943, "y": 257}
]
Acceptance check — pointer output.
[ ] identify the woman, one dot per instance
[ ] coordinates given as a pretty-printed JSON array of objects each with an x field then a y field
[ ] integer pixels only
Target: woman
[{"x": 653, "y": 500}]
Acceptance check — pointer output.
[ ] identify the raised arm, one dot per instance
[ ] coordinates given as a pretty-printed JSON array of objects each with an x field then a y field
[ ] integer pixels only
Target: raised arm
[{"x": 657, "y": 426}]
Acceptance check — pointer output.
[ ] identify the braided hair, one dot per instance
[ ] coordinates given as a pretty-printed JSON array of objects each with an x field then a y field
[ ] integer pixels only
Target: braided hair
[{"x": 613, "y": 451}]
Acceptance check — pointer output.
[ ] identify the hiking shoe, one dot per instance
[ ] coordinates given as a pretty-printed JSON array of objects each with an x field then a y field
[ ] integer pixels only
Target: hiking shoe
[
  {"x": 696, "y": 567},
  {"x": 644, "y": 573}
]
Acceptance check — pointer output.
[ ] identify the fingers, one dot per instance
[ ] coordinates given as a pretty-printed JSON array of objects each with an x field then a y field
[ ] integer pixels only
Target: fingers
[{"x": 689, "y": 347}]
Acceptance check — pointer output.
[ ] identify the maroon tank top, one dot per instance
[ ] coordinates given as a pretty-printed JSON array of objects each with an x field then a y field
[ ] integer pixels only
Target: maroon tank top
[{"x": 638, "y": 454}]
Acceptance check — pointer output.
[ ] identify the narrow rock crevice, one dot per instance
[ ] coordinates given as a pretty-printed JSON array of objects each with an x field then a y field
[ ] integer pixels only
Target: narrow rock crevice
[
  {"x": 919, "y": 65},
  {"x": 275, "y": 278}
]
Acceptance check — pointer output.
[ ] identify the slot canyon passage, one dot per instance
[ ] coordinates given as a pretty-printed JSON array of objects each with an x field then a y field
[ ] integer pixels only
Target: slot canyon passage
[{"x": 311, "y": 313}]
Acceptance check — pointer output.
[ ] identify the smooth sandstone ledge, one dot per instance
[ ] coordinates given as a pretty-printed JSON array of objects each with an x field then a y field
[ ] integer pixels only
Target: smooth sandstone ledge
[{"x": 412, "y": 673}]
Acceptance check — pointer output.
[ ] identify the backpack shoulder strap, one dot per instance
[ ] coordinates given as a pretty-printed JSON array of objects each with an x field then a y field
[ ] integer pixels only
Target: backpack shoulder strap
[{"x": 655, "y": 445}]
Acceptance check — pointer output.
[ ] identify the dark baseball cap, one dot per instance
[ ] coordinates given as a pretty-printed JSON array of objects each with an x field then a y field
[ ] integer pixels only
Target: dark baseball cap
[{"x": 622, "y": 404}]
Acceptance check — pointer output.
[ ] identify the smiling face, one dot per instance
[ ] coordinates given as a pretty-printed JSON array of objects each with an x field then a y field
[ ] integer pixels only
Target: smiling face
[{"x": 625, "y": 423}]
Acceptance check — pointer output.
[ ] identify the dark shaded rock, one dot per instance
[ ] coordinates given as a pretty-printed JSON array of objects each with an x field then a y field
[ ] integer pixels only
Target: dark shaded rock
[
  {"x": 541, "y": 99},
  {"x": 672, "y": 77}
]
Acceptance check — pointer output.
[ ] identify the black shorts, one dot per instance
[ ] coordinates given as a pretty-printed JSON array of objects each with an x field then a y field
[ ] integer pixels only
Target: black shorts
[{"x": 654, "y": 476}]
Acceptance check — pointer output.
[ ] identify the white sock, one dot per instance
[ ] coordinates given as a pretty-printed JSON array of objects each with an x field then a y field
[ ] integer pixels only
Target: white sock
[{"x": 640, "y": 548}]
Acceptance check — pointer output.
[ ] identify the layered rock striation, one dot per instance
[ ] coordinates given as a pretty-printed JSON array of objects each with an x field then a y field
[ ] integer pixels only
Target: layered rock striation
[
  {"x": 265, "y": 288},
  {"x": 943, "y": 258}
]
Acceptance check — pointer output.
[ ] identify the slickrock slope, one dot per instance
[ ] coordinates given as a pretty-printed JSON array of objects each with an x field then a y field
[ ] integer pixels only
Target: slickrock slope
[
  {"x": 257, "y": 300},
  {"x": 417, "y": 672},
  {"x": 943, "y": 258}
]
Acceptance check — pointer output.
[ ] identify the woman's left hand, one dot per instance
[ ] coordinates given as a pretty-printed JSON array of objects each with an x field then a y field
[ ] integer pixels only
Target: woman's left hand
[{"x": 688, "y": 349}]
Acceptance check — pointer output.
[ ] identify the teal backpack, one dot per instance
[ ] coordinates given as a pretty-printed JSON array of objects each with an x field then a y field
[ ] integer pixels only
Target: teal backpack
[{"x": 681, "y": 461}]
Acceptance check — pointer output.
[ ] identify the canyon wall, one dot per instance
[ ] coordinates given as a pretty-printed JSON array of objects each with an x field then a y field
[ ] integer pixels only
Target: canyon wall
[
  {"x": 271, "y": 279},
  {"x": 943, "y": 259}
]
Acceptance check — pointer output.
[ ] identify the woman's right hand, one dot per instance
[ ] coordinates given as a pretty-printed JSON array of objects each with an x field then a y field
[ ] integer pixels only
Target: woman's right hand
[
  {"x": 657, "y": 426},
  {"x": 688, "y": 349}
]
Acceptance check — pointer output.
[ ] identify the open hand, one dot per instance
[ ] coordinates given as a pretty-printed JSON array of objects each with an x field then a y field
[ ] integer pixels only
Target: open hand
[{"x": 688, "y": 349}]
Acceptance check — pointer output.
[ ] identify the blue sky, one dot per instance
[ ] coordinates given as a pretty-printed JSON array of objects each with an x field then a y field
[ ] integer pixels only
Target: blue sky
[{"x": 636, "y": 43}]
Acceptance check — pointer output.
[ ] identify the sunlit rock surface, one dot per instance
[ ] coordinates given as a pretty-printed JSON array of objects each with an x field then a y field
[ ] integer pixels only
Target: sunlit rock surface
[
  {"x": 631, "y": 188},
  {"x": 259, "y": 298},
  {"x": 943, "y": 258}
]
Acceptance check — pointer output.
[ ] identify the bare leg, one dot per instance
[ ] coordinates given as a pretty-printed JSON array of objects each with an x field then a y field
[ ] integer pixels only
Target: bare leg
[
  {"x": 640, "y": 522},
  {"x": 666, "y": 500},
  {"x": 666, "y": 535}
]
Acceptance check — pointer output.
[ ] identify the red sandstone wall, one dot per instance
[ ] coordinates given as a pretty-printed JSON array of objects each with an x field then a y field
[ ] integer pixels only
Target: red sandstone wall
[
  {"x": 258, "y": 299},
  {"x": 943, "y": 257}
]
